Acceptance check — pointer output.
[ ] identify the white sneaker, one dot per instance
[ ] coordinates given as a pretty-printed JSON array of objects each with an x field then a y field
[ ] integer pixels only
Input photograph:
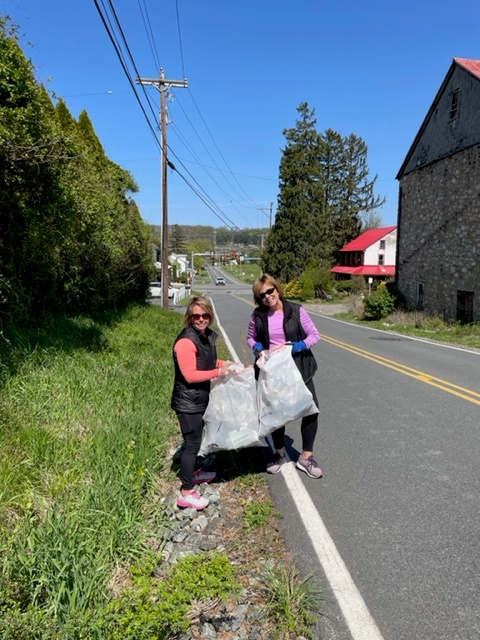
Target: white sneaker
[
  {"x": 200, "y": 476},
  {"x": 192, "y": 499}
]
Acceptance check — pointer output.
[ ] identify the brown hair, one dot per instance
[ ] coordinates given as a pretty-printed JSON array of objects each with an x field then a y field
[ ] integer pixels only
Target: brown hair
[
  {"x": 198, "y": 301},
  {"x": 265, "y": 278}
]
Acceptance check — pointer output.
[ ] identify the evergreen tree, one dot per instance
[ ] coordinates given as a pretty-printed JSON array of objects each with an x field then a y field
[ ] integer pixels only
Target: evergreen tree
[
  {"x": 300, "y": 220},
  {"x": 177, "y": 239}
]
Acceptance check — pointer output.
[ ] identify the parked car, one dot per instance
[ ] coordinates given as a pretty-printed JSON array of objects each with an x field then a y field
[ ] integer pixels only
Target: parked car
[
  {"x": 220, "y": 280},
  {"x": 156, "y": 290}
]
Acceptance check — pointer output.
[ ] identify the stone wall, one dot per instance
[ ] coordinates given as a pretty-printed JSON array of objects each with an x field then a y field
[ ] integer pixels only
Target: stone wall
[{"x": 439, "y": 233}]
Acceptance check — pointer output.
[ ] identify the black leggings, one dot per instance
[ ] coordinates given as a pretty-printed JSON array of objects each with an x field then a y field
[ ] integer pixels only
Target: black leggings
[
  {"x": 191, "y": 425},
  {"x": 309, "y": 427}
]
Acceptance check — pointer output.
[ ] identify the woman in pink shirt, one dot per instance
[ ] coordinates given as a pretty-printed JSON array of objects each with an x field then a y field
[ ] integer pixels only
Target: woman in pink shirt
[
  {"x": 196, "y": 363},
  {"x": 274, "y": 322}
]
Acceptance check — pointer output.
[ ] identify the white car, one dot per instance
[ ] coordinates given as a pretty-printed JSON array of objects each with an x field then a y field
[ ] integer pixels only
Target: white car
[
  {"x": 156, "y": 290},
  {"x": 220, "y": 280}
]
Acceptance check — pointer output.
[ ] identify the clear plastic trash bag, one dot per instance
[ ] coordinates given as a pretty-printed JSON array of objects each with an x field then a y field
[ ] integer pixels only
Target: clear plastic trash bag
[
  {"x": 231, "y": 418},
  {"x": 282, "y": 395}
]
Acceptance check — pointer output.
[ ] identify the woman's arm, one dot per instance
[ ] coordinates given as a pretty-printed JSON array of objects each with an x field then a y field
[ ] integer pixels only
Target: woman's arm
[
  {"x": 311, "y": 330},
  {"x": 186, "y": 353}
]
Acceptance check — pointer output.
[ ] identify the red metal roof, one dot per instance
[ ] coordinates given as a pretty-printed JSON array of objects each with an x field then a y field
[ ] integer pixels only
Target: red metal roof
[
  {"x": 367, "y": 270},
  {"x": 367, "y": 238},
  {"x": 470, "y": 65}
]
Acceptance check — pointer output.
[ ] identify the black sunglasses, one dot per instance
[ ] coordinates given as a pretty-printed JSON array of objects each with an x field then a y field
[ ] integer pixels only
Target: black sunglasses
[
  {"x": 204, "y": 316},
  {"x": 268, "y": 292}
]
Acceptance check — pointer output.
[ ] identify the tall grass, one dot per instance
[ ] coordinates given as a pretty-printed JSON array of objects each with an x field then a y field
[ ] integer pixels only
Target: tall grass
[{"x": 85, "y": 422}]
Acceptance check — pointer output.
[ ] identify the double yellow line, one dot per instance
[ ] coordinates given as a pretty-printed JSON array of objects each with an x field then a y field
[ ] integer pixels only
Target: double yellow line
[
  {"x": 439, "y": 383},
  {"x": 444, "y": 385}
]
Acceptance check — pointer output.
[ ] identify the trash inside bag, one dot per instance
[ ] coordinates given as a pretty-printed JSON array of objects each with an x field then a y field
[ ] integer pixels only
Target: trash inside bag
[
  {"x": 282, "y": 395},
  {"x": 231, "y": 418}
]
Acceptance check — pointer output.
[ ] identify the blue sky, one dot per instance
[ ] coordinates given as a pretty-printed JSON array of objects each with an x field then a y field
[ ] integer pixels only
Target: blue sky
[{"x": 368, "y": 67}]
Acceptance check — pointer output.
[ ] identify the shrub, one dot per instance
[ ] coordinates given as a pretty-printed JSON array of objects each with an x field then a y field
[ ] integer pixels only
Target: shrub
[
  {"x": 293, "y": 289},
  {"x": 379, "y": 305}
]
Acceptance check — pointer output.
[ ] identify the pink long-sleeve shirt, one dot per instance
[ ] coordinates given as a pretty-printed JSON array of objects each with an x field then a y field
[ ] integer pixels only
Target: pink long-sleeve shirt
[
  {"x": 276, "y": 332},
  {"x": 186, "y": 353}
]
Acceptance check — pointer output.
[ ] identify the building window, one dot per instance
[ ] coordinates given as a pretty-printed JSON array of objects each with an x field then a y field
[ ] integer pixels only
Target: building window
[
  {"x": 455, "y": 100},
  {"x": 381, "y": 258},
  {"x": 420, "y": 295},
  {"x": 382, "y": 244}
]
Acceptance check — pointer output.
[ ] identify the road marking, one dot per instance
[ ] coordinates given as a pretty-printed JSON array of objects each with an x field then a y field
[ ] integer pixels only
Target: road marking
[
  {"x": 422, "y": 376},
  {"x": 357, "y": 617},
  {"x": 359, "y": 621}
]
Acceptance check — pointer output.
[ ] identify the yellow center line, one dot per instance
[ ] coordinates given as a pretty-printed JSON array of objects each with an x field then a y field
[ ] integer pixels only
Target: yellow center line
[
  {"x": 439, "y": 383},
  {"x": 422, "y": 376}
]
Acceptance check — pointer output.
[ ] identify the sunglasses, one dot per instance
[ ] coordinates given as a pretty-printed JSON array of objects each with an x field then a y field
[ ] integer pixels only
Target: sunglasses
[
  {"x": 204, "y": 316},
  {"x": 268, "y": 292}
]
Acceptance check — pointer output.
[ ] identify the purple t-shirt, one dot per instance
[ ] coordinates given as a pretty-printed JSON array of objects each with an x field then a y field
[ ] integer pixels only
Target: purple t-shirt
[{"x": 277, "y": 334}]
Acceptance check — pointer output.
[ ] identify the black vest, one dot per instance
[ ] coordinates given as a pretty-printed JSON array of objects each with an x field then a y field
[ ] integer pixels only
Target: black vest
[
  {"x": 193, "y": 398},
  {"x": 294, "y": 332}
]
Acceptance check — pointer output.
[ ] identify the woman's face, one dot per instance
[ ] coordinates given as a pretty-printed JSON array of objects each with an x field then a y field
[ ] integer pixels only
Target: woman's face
[
  {"x": 269, "y": 296},
  {"x": 200, "y": 318}
]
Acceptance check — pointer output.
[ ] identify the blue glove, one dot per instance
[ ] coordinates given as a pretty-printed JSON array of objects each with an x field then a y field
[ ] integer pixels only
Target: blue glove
[
  {"x": 257, "y": 348},
  {"x": 298, "y": 346}
]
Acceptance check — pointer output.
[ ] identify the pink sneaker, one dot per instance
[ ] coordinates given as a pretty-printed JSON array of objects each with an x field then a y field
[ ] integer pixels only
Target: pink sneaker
[
  {"x": 192, "y": 499},
  {"x": 200, "y": 476}
]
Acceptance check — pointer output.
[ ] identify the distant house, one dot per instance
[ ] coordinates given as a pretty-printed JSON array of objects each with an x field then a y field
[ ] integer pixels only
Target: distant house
[
  {"x": 371, "y": 254},
  {"x": 180, "y": 261},
  {"x": 438, "y": 253}
]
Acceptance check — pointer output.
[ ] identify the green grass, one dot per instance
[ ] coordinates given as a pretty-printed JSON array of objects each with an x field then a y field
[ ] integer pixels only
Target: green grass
[
  {"x": 85, "y": 422},
  {"x": 85, "y": 436},
  {"x": 245, "y": 272}
]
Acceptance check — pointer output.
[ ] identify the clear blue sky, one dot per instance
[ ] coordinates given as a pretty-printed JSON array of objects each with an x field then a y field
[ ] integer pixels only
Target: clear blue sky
[{"x": 367, "y": 67}]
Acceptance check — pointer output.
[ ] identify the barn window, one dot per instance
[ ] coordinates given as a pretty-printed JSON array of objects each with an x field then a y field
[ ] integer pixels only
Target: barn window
[
  {"x": 381, "y": 258},
  {"x": 454, "y": 104}
]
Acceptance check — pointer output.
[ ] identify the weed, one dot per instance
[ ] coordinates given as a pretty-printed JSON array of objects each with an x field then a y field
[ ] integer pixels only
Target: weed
[
  {"x": 257, "y": 514},
  {"x": 292, "y": 602}
]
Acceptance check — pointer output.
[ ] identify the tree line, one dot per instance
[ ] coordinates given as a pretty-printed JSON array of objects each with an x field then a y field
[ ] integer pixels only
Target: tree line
[{"x": 71, "y": 236}]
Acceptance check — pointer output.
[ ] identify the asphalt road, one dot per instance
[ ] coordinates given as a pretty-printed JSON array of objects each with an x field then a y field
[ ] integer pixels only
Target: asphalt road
[{"x": 400, "y": 498}]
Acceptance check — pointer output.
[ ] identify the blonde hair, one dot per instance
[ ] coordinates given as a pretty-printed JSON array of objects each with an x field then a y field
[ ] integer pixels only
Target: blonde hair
[
  {"x": 265, "y": 278},
  {"x": 198, "y": 301}
]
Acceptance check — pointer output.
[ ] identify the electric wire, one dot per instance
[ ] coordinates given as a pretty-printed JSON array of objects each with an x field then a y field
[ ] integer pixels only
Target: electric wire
[
  {"x": 148, "y": 28},
  {"x": 113, "y": 38}
]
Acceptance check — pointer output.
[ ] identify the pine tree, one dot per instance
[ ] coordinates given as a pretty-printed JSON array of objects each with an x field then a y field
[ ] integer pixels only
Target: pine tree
[
  {"x": 299, "y": 221},
  {"x": 177, "y": 239}
]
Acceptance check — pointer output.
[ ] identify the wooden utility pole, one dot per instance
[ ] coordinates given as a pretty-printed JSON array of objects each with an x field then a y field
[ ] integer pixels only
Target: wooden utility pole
[
  {"x": 265, "y": 209},
  {"x": 163, "y": 85}
]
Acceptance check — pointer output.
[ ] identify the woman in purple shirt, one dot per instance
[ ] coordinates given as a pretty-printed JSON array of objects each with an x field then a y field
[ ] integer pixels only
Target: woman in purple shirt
[{"x": 274, "y": 322}]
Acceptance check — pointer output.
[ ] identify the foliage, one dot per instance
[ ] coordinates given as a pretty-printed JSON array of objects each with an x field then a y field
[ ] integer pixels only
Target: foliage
[
  {"x": 81, "y": 447},
  {"x": 293, "y": 289},
  {"x": 292, "y": 602},
  {"x": 324, "y": 192},
  {"x": 379, "y": 305},
  {"x": 321, "y": 278},
  {"x": 257, "y": 514},
  {"x": 353, "y": 285},
  {"x": 72, "y": 239},
  {"x": 159, "y": 609}
]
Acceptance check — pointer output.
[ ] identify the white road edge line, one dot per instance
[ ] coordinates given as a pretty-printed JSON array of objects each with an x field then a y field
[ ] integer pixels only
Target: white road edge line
[{"x": 359, "y": 621}]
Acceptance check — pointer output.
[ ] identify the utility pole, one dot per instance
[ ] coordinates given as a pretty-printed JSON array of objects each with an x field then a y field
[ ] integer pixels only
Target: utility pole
[
  {"x": 266, "y": 209},
  {"x": 163, "y": 85}
]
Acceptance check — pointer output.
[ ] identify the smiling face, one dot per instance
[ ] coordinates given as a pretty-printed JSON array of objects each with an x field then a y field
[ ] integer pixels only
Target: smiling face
[
  {"x": 200, "y": 318},
  {"x": 270, "y": 297}
]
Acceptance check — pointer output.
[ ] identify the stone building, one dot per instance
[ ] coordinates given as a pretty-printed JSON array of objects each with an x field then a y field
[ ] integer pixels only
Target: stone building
[{"x": 438, "y": 243}]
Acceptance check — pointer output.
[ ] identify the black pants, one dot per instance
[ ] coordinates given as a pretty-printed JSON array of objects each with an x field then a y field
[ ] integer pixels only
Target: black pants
[
  {"x": 191, "y": 425},
  {"x": 308, "y": 429}
]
